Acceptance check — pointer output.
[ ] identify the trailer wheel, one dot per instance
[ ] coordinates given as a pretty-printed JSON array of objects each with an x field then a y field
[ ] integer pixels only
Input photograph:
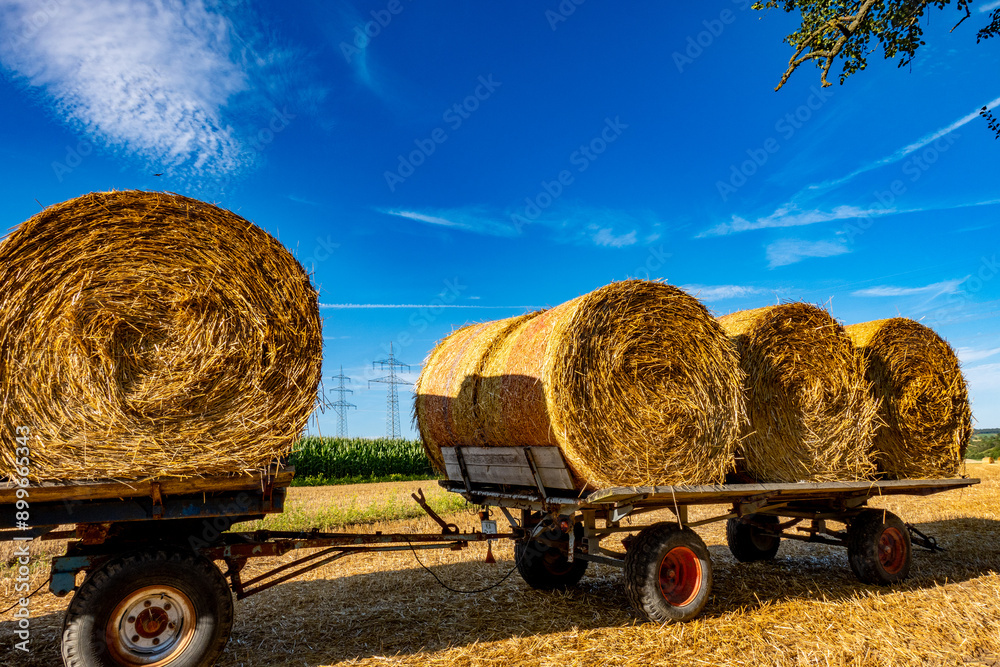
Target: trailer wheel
[
  {"x": 668, "y": 573},
  {"x": 152, "y": 608},
  {"x": 749, "y": 543},
  {"x": 878, "y": 547},
  {"x": 547, "y": 568}
]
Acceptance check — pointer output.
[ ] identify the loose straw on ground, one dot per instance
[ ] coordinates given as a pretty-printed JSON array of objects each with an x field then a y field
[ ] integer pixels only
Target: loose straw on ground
[
  {"x": 148, "y": 334},
  {"x": 635, "y": 382},
  {"x": 924, "y": 401},
  {"x": 810, "y": 410}
]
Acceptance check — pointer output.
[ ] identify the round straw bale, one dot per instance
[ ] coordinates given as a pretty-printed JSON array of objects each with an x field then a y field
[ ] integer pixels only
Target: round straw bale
[
  {"x": 635, "y": 382},
  {"x": 445, "y": 392},
  {"x": 147, "y": 334},
  {"x": 810, "y": 410},
  {"x": 924, "y": 401}
]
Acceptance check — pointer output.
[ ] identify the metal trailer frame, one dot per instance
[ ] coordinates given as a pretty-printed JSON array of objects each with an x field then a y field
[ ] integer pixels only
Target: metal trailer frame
[
  {"x": 170, "y": 532},
  {"x": 667, "y": 567},
  {"x": 112, "y": 518}
]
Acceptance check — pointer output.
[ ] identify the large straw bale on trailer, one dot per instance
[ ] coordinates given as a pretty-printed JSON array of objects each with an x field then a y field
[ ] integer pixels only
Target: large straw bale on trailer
[
  {"x": 445, "y": 401},
  {"x": 148, "y": 335},
  {"x": 635, "y": 382},
  {"x": 811, "y": 415},
  {"x": 924, "y": 401}
]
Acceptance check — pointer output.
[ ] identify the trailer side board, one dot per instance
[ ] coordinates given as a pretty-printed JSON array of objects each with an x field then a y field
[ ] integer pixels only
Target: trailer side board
[
  {"x": 508, "y": 465},
  {"x": 70, "y": 491}
]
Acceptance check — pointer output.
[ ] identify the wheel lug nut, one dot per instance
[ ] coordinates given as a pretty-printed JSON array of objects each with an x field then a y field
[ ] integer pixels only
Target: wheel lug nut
[
  {"x": 131, "y": 619},
  {"x": 135, "y": 638},
  {"x": 166, "y": 607},
  {"x": 156, "y": 640},
  {"x": 147, "y": 603},
  {"x": 171, "y": 625}
]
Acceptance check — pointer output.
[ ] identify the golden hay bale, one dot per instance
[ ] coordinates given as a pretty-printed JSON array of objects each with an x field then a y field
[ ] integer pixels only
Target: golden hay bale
[
  {"x": 147, "y": 334},
  {"x": 635, "y": 382},
  {"x": 810, "y": 410},
  {"x": 445, "y": 395},
  {"x": 925, "y": 404}
]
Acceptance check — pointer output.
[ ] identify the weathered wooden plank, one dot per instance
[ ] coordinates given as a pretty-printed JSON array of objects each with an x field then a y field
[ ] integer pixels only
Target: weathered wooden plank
[
  {"x": 545, "y": 457},
  {"x": 508, "y": 465},
  {"x": 803, "y": 490},
  {"x": 106, "y": 489},
  {"x": 553, "y": 478}
]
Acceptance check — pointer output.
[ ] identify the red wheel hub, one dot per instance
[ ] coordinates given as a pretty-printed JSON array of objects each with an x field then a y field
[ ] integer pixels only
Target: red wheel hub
[
  {"x": 892, "y": 550},
  {"x": 151, "y": 622},
  {"x": 680, "y": 576}
]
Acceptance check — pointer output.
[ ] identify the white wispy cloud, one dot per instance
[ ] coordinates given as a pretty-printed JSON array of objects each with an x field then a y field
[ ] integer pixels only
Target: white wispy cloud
[
  {"x": 174, "y": 83},
  {"x": 605, "y": 236},
  {"x": 353, "y": 45},
  {"x": 473, "y": 219},
  {"x": 607, "y": 227},
  {"x": 989, "y": 6},
  {"x": 303, "y": 200},
  {"x": 790, "y": 251},
  {"x": 981, "y": 378},
  {"x": 903, "y": 152},
  {"x": 416, "y": 305},
  {"x": 932, "y": 290},
  {"x": 970, "y": 355},
  {"x": 791, "y": 215},
  {"x": 720, "y": 292},
  {"x": 567, "y": 223}
]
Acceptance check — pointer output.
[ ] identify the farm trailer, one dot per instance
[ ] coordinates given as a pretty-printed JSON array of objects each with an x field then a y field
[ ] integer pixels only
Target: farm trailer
[
  {"x": 667, "y": 568},
  {"x": 153, "y": 595}
]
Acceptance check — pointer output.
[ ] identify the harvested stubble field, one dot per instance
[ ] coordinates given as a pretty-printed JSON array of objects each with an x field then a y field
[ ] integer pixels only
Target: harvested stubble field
[{"x": 803, "y": 608}]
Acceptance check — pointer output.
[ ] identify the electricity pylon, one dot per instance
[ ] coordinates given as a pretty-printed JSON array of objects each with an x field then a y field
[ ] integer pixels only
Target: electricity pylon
[
  {"x": 392, "y": 429},
  {"x": 341, "y": 406}
]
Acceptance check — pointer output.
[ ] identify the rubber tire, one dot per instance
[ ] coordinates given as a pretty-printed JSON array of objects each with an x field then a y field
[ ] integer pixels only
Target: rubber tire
[
  {"x": 864, "y": 534},
  {"x": 747, "y": 543},
  {"x": 83, "y": 643},
  {"x": 546, "y": 568},
  {"x": 643, "y": 559}
]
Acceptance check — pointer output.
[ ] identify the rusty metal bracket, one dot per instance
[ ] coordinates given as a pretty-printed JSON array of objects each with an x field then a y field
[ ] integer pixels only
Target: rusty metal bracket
[
  {"x": 268, "y": 494},
  {"x": 922, "y": 540},
  {"x": 619, "y": 512},
  {"x": 446, "y": 528},
  {"x": 233, "y": 574},
  {"x": 465, "y": 471},
  {"x": 534, "y": 473},
  {"x": 751, "y": 504},
  {"x": 510, "y": 518},
  {"x": 92, "y": 533},
  {"x": 154, "y": 492}
]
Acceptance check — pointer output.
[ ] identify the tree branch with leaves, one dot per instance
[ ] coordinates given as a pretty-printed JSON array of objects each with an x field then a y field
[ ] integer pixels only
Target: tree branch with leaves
[
  {"x": 850, "y": 31},
  {"x": 840, "y": 29}
]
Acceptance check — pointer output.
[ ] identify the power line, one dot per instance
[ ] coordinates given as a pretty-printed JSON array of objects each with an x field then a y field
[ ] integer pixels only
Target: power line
[
  {"x": 341, "y": 406},
  {"x": 392, "y": 429}
]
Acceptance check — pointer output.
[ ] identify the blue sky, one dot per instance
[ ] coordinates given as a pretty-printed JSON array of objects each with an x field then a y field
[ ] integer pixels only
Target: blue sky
[{"x": 466, "y": 162}]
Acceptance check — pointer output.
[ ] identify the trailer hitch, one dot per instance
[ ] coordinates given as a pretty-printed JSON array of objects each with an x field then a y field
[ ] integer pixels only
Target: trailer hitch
[
  {"x": 921, "y": 540},
  {"x": 446, "y": 528}
]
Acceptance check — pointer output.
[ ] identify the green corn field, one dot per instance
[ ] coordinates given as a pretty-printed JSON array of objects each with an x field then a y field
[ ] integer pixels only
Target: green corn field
[{"x": 355, "y": 460}]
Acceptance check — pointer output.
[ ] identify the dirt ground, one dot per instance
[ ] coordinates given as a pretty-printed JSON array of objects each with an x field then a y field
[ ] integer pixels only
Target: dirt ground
[{"x": 803, "y": 608}]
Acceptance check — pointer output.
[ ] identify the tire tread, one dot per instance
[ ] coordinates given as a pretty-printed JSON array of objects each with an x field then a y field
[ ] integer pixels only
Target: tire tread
[{"x": 90, "y": 592}]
